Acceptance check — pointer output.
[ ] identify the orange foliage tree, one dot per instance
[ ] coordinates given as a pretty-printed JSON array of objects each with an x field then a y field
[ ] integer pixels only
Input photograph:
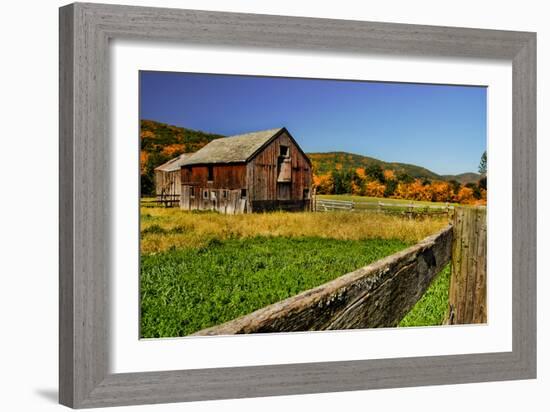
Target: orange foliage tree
[
  {"x": 173, "y": 150},
  {"x": 323, "y": 183},
  {"x": 359, "y": 182},
  {"x": 143, "y": 157},
  {"x": 374, "y": 189},
  {"x": 389, "y": 174},
  {"x": 465, "y": 195}
]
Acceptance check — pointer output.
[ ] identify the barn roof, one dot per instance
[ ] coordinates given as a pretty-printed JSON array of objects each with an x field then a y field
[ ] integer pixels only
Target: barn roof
[
  {"x": 174, "y": 164},
  {"x": 232, "y": 149}
]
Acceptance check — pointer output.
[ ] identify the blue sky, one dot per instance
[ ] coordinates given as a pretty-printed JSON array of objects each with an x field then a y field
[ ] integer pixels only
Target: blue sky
[{"x": 442, "y": 128}]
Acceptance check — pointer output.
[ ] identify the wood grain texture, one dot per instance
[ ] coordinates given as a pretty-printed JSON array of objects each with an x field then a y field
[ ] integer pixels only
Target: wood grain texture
[
  {"x": 376, "y": 296},
  {"x": 468, "y": 290},
  {"x": 524, "y": 206},
  {"x": 85, "y": 31},
  {"x": 66, "y": 211}
]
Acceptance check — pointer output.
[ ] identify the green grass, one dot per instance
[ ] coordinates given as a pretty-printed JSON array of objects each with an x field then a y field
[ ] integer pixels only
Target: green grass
[
  {"x": 186, "y": 290},
  {"x": 431, "y": 309}
]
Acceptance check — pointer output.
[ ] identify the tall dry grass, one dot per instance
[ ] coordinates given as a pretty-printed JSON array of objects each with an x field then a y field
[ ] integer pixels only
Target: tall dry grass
[{"x": 162, "y": 229}]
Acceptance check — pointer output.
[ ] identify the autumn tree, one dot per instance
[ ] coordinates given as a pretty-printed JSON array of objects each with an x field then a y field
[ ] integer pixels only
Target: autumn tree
[
  {"x": 374, "y": 189},
  {"x": 323, "y": 183},
  {"x": 389, "y": 174},
  {"x": 466, "y": 195},
  {"x": 476, "y": 193},
  {"x": 441, "y": 191}
]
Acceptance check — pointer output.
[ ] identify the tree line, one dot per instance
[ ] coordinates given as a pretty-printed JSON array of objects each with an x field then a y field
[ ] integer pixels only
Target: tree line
[{"x": 374, "y": 181}]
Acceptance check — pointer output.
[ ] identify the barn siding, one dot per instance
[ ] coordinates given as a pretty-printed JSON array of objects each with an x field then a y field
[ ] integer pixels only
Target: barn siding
[
  {"x": 262, "y": 173},
  {"x": 225, "y": 176},
  {"x": 205, "y": 198},
  {"x": 167, "y": 183},
  {"x": 258, "y": 177}
]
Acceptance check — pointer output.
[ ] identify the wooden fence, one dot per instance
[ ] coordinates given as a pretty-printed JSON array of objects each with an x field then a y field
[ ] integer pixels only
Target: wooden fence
[
  {"x": 377, "y": 295},
  {"x": 166, "y": 200},
  {"x": 410, "y": 209},
  {"x": 468, "y": 291},
  {"x": 382, "y": 293},
  {"x": 326, "y": 205}
]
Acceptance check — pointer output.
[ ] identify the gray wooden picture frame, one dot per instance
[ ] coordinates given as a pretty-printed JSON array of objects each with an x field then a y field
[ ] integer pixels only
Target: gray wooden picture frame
[{"x": 85, "y": 31}]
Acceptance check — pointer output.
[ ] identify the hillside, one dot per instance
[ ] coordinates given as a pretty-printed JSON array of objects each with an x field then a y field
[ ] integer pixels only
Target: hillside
[
  {"x": 327, "y": 162},
  {"x": 163, "y": 138},
  {"x": 463, "y": 178},
  {"x": 160, "y": 142}
]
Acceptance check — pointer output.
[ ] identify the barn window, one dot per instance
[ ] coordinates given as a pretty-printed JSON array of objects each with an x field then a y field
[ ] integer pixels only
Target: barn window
[
  {"x": 225, "y": 194},
  {"x": 192, "y": 192},
  {"x": 205, "y": 194},
  {"x": 284, "y": 152},
  {"x": 306, "y": 193},
  {"x": 243, "y": 192},
  {"x": 210, "y": 173}
]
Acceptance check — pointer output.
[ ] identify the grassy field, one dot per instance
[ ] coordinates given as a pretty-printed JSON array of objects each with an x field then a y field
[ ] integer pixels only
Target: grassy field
[
  {"x": 184, "y": 291},
  {"x": 431, "y": 309},
  {"x": 199, "y": 269},
  {"x": 164, "y": 229}
]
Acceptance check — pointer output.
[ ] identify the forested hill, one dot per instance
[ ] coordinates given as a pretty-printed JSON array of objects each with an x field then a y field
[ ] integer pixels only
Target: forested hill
[
  {"x": 324, "y": 163},
  {"x": 161, "y": 142},
  {"x": 463, "y": 177}
]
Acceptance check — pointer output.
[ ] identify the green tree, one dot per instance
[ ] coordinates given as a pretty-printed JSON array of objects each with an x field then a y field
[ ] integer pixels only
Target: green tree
[
  {"x": 391, "y": 186},
  {"x": 375, "y": 172},
  {"x": 405, "y": 178},
  {"x": 342, "y": 181},
  {"x": 475, "y": 188},
  {"x": 483, "y": 164},
  {"x": 455, "y": 185},
  {"x": 483, "y": 183}
]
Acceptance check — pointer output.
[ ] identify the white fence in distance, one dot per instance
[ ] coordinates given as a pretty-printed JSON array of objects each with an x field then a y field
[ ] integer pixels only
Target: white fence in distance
[{"x": 326, "y": 205}]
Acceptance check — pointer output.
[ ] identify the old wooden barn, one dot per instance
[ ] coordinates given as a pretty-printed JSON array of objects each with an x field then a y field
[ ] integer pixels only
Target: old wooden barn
[
  {"x": 168, "y": 180},
  {"x": 254, "y": 172}
]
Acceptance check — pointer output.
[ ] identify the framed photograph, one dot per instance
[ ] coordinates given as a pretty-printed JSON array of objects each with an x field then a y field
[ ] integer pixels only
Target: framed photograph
[{"x": 256, "y": 205}]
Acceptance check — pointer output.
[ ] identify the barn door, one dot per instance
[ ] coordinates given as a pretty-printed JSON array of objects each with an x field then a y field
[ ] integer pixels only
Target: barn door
[
  {"x": 283, "y": 190},
  {"x": 185, "y": 197}
]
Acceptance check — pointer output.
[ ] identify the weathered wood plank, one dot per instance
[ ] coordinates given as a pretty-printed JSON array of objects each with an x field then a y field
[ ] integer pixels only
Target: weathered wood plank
[
  {"x": 468, "y": 290},
  {"x": 377, "y": 295}
]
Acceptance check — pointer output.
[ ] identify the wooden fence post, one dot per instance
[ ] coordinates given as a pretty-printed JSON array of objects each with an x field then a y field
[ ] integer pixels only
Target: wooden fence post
[{"x": 468, "y": 290}]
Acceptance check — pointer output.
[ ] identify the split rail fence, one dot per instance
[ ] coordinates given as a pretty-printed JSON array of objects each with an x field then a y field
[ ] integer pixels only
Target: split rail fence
[{"x": 410, "y": 209}]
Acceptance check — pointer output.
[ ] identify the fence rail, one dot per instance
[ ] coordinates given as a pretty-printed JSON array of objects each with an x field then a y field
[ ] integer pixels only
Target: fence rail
[
  {"x": 168, "y": 200},
  {"x": 377, "y": 295},
  {"x": 380, "y": 294},
  {"x": 326, "y": 205}
]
